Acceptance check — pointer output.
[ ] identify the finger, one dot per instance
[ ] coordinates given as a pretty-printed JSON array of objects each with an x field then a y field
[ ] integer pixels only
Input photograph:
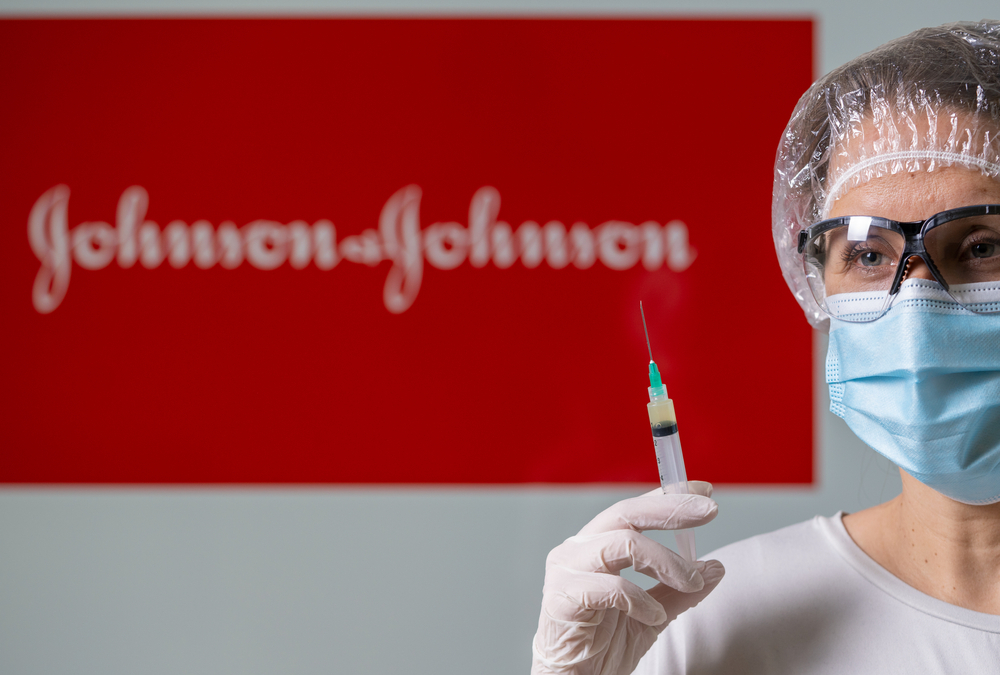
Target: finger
[
  {"x": 611, "y": 552},
  {"x": 577, "y": 596},
  {"x": 654, "y": 511},
  {"x": 675, "y": 602},
  {"x": 700, "y": 487},
  {"x": 695, "y": 487}
]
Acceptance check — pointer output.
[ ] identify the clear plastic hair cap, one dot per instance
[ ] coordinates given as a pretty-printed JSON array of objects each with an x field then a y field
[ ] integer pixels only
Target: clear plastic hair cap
[{"x": 922, "y": 102}]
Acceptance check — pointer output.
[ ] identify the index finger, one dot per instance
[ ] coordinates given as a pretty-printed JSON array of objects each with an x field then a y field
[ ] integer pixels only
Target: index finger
[{"x": 654, "y": 511}]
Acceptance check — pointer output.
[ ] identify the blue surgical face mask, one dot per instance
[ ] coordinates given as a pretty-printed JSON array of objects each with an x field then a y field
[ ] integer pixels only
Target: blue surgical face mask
[{"x": 921, "y": 385}]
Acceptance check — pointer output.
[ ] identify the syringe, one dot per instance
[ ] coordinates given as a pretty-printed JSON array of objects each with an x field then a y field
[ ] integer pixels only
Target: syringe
[{"x": 667, "y": 443}]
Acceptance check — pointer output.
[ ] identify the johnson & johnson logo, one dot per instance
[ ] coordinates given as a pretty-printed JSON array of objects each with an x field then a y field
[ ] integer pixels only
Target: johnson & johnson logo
[{"x": 267, "y": 244}]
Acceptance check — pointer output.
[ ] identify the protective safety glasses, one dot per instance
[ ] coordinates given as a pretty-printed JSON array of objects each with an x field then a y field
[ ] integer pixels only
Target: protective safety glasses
[{"x": 868, "y": 258}]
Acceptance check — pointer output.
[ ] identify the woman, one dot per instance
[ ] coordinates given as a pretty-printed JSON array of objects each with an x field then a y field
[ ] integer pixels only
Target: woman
[{"x": 886, "y": 219}]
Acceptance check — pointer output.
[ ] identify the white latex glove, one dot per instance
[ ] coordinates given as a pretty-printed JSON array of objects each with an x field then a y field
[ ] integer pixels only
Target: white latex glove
[{"x": 593, "y": 622}]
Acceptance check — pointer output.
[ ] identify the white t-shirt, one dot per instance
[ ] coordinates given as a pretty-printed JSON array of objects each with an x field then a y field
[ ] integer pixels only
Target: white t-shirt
[{"x": 807, "y": 600}]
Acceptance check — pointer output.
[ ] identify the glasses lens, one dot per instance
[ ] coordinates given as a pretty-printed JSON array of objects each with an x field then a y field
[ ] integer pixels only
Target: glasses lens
[
  {"x": 967, "y": 254},
  {"x": 859, "y": 257}
]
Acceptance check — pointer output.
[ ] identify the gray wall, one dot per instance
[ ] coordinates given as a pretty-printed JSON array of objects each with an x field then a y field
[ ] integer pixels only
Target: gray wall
[{"x": 375, "y": 581}]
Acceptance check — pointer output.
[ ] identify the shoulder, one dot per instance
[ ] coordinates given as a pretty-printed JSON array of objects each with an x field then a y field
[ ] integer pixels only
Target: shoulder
[
  {"x": 794, "y": 567},
  {"x": 806, "y": 600},
  {"x": 779, "y": 589},
  {"x": 802, "y": 557},
  {"x": 780, "y": 549}
]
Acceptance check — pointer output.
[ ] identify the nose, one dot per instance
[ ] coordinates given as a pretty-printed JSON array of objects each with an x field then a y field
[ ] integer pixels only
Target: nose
[{"x": 917, "y": 269}]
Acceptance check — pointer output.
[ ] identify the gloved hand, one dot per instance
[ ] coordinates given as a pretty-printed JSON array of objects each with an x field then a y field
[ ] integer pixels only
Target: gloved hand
[{"x": 593, "y": 622}]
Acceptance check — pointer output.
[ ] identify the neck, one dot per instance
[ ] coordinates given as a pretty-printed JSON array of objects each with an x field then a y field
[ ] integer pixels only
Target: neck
[{"x": 946, "y": 549}]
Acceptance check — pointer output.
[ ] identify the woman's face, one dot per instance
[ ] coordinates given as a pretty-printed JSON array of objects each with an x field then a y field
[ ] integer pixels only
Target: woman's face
[{"x": 903, "y": 197}]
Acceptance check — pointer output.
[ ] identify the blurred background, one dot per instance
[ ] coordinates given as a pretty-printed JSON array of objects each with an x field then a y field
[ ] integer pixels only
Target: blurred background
[{"x": 321, "y": 318}]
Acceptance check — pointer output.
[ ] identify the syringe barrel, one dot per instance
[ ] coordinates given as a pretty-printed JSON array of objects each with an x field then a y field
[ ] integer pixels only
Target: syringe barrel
[
  {"x": 673, "y": 480},
  {"x": 670, "y": 462}
]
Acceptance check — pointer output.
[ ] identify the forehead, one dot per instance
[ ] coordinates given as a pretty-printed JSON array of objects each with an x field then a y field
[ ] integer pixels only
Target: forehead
[
  {"x": 920, "y": 154},
  {"x": 918, "y": 195}
]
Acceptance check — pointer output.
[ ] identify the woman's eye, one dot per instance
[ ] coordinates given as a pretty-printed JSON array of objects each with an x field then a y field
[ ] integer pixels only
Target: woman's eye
[
  {"x": 983, "y": 250},
  {"x": 871, "y": 258},
  {"x": 865, "y": 256}
]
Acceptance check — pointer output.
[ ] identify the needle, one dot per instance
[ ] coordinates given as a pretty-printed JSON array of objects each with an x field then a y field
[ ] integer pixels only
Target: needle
[{"x": 643, "y": 314}]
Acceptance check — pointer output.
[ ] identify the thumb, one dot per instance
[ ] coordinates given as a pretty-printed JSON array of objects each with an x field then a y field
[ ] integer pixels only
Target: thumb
[{"x": 675, "y": 602}]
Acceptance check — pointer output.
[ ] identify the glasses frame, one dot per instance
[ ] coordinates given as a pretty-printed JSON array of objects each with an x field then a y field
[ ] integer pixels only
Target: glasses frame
[{"x": 913, "y": 233}]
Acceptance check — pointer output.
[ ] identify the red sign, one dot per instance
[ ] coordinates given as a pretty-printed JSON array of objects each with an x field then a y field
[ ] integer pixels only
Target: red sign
[{"x": 395, "y": 251}]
